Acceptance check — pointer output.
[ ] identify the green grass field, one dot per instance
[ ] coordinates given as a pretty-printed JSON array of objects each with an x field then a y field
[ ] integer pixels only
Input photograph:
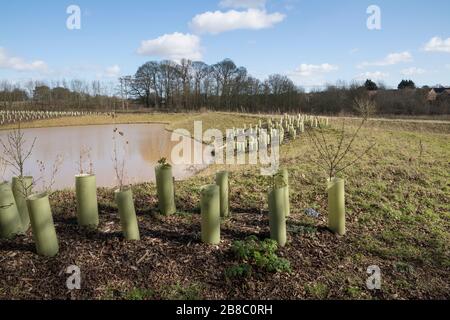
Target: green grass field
[{"x": 398, "y": 217}]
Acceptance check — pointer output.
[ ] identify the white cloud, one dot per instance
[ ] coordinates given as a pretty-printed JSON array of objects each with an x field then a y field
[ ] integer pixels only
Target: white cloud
[
  {"x": 237, "y": 4},
  {"x": 390, "y": 59},
  {"x": 175, "y": 46},
  {"x": 308, "y": 70},
  {"x": 113, "y": 71},
  {"x": 377, "y": 75},
  {"x": 218, "y": 21},
  {"x": 19, "y": 64},
  {"x": 412, "y": 71},
  {"x": 438, "y": 44},
  {"x": 354, "y": 50}
]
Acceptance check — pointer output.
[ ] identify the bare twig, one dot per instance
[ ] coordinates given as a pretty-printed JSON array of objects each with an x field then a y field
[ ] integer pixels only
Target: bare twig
[
  {"x": 359, "y": 157},
  {"x": 85, "y": 160},
  {"x": 119, "y": 160},
  {"x": 47, "y": 185},
  {"x": 349, "y": 145}
]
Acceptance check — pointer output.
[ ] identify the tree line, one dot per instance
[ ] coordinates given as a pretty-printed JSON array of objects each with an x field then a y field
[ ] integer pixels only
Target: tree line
[
  {"x": 194, "y": 86},
  {"x": 76, "y": 95}
]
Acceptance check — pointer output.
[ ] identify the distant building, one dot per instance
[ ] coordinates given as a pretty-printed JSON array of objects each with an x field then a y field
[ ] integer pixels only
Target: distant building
[{"x": 436, "y": 92}]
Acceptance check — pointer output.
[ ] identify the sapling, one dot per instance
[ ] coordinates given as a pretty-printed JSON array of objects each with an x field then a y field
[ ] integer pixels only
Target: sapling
[
  {"x": 86, "y": 191},
  {"x": 123, "y": 194},
  {"x": 277, "y": 209},
  {"x": 10, "y": 223},
  {"x": 285, "y": 175},
  {"x": 210, "y": 213},
  {"x": 41, "y": 217},
  {"x": 165, "y": 187},
  {"x": 16, "y": 153},
  {"x": 223, "y": 183},
  {"x": 335, "y": 157}
]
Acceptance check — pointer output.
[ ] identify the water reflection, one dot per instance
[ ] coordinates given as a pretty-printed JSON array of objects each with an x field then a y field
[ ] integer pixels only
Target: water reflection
[{"x": 147, "y": 144}]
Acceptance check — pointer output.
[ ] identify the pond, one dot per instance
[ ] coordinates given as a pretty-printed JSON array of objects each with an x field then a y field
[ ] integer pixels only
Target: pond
[{"x": 147, "y": 143}]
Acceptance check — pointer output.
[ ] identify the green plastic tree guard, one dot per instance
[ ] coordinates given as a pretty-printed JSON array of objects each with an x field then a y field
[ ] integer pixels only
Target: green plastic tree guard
[
  {"x": 165, "y": 190},
  {"x": 210, "y": 212},
  {"x": 10, "y": 223},
  {"x": 127, "y": 213},
  {"x": 87, "y": 206},
  {"x": 222, "y": 182},
  {"x": 42, "y": 225},
  {"x": 277, "y": 216},
  {"x": 336, "y": 205},
  {"x": 22, "y": 187},
  {"x": 285, "y": 175}
]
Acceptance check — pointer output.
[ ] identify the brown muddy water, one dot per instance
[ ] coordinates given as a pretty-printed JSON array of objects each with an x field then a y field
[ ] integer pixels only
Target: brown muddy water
[{"x": 147, "y": 143}]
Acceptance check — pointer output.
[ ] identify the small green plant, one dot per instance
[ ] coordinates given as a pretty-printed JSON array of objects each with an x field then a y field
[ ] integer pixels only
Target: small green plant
[
  {"x": 317, "y": 290},
  {"x": 175, "y": 291},
  {"x": 239, "y": 271},
  {"x": 403, "y": 267},
  {"x": 139, "y": 294},
  {"x": 354, "y": 292},
  {"x": 302, "y": 229},
  {"x": 181, "y": 292},
  {"x": 254, "y": 255}
]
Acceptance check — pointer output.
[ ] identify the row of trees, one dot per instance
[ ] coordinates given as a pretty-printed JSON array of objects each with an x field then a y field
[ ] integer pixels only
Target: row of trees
[
  {"x": 404, "y": 84},
  {"x": 194, "y": 85},
  {"x": 338, "y": 100},
  {"x": 59, "y": 95},
  {"x": 191, "y": 85}
]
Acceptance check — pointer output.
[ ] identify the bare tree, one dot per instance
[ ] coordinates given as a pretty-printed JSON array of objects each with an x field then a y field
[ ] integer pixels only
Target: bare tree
[
  {"x": 125, "y": 91},
  {"x": 200, "y": 73},
  {"x": 15, "y": 150},
  {"x": 333, "y": 156},
  {"x": 145, "y": 83},
  {"x": 185, "y": 74},
  {"x": 221, "y": 86},
  {"x": 224, "y": 72}
]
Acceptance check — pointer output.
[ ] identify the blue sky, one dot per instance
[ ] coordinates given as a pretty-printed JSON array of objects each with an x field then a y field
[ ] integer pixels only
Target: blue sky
[{"x": 313, "y": 42}]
